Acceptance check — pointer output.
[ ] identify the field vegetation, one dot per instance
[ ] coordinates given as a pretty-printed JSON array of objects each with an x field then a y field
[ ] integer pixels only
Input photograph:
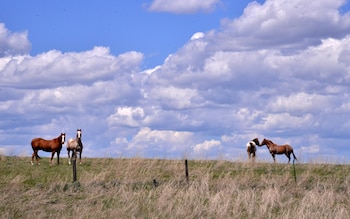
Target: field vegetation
[{"x": 157, "y": 188}]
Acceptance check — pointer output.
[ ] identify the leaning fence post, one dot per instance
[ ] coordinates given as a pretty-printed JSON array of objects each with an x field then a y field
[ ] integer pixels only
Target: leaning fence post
[
  {"x": 186, "y": 168},
  {"x": 295, "y": 175},
  {"x": 74, "y": 167}
]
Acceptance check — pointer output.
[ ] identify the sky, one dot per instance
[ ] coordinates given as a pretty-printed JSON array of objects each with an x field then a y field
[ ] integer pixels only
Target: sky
[{"x": 177, "y": 79}]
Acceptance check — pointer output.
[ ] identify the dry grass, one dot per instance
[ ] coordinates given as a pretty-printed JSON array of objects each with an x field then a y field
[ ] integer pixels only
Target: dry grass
[{"x": 124, "y": 188}]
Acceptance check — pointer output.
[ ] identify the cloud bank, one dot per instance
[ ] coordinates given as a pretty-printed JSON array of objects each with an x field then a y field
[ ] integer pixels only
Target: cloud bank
[{"x": 280, "y": 71}]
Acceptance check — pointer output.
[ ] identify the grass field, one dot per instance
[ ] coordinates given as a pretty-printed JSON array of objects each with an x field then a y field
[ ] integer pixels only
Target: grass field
[{"x": 125, "y": 188}]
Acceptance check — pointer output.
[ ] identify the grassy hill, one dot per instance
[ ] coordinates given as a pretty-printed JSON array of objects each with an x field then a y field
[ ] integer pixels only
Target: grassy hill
[{"x": 155, "y": 188}]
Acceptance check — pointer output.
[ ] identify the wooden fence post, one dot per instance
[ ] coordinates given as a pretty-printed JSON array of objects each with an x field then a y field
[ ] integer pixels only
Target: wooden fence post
[
  {"x": 186, "y": 168},
  {"x": 294, "y": 173},
  {"x": 74, "y": 167}
]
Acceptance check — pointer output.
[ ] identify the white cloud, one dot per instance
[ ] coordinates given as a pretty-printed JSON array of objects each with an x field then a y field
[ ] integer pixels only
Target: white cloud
[
  {"x": 174, "y": 97},
  {"x": 197, "y": 36},
  {"x": 155, "y": 141},
  {"x": 311, "y": 149},
  {"x": 206, "y": 145},
  {"x": 13, "y": 43},
  {"x": 263, "y": 74},
  {"x": 300, "y": 103},
  {"x": 58, "y": 69},
  {"x": 282, "y": 122},
  {"x": 130, "y": 116},
  {"x": 283, "y": 24},
  {"x": 182, "y": 6}
]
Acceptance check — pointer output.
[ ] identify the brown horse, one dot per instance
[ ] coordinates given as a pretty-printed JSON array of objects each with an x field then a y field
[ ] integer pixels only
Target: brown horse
[
  {"x": 54, "y": 146},
  {"x": 278, "y": 149},
  {"x": 251, "y": 148},
  {"x": 75, "y": 145}
]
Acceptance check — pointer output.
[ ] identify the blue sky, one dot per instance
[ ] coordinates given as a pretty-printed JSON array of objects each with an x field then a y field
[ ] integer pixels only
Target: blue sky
[
  {"x": 120, "y": 25},
  {"x": 174, "y": 79}
]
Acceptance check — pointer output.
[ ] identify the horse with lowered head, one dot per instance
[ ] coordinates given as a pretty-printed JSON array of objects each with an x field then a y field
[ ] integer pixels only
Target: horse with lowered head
[
  {"x": 278, "y": 149},
  {"x": 251, "y": 148},
  {"x": 54, "y": 146},
  {"x": 75, "y": 145}
]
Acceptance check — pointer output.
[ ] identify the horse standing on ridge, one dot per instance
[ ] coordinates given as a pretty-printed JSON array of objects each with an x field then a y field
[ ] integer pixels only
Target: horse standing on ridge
[
  {"x": 75, "y": 145},
  {"x": 278, "y": 149},
  {"x": 54, "y": 146},
  {"x": 251, "y": 148}
]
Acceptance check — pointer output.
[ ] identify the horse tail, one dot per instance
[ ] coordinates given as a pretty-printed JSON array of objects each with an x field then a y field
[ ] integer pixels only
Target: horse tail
[
  {"x": 290, "y": 148},
  {"x": 295, "y": 158}
]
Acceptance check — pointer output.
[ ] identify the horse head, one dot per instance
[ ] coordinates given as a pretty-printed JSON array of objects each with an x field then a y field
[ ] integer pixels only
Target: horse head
[
  {"x": 256, "y": 141},
  {"x": 63, "y": 138},
  {"x": 263, "y": 142},
  {"x": 78, "y": 133}
]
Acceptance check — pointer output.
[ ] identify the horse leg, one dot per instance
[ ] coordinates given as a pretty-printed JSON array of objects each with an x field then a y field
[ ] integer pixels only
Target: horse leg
[
  {"x": 33, "y": 155},
  {"x": 80, "y": 156},
  {"x": 37, "y": 157},
  {"x": 253, "y": 156},
  {"x": 273, "y": 156},
  {"x": 288, "y": 155},
  {"x": 69, "y": 157},
  {"x": 52, "y": 154},
  {"x": 58, "y": 157}
]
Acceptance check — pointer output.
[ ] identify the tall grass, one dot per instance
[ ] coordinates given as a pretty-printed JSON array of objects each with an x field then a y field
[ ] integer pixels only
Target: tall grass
[{"x": 154, "y": 188}]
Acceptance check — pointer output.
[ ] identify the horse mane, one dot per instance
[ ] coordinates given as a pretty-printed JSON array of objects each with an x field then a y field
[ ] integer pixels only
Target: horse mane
[
  {"x": 269, "y": 141},
  {"x": 59, "y": 138}
]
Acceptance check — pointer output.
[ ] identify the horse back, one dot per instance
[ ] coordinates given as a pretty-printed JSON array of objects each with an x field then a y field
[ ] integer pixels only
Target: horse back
[
  {"x": 36, "y": 142},
  {"x": 288, "y": 147},
  {"x": 74, "y": 144},
  {"x": 45, "y": 145},
  {"x": 251, "y": 148}
]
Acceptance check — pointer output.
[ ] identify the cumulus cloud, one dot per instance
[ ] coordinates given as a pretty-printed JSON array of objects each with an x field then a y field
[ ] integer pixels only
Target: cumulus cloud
[
  {"x": 182, "y": 6},
  {"x": 197, "y": 36},
  {"x": 206, "y": 145},
  {"x": 246, "y": 68},
  {"x": 54, "y": 68},
  {"x": 174, "y": 97},
  {"x": 129, "y": 116},
  {"x": 13, "y": 43},
  {"x": 155, "y": 142},
  {"x": 279, "y": 71},
  {"x": 283, "y": 24}
]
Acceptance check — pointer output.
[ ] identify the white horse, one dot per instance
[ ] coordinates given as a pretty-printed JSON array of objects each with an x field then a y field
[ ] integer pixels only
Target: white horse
[
  {"x": 75, "y": 145},
  {"x": 251, "y": 148}
]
